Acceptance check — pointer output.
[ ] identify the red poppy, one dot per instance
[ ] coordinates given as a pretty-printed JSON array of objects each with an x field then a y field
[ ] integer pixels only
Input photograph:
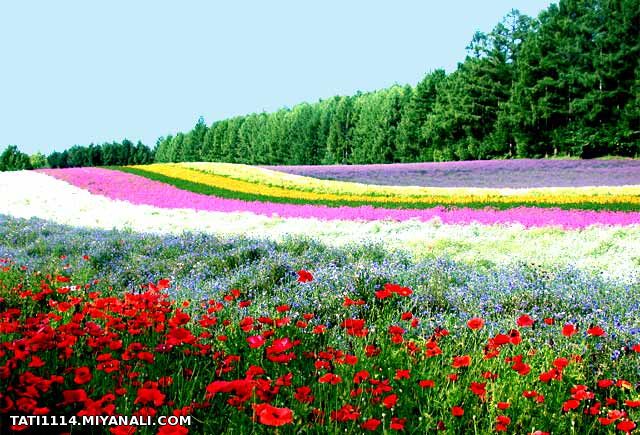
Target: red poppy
[
  {"x": 272, "y": 416},
  {"x": 304, "y": 276},
  {"x": 427, "y": 383},
  {"x": 503, "y": 405},
  {"x": 402, "y": 374},
  {"x": 82, "y": 375},
  {"x": 461, "y": 361},
  {"x": 346, "y": 413},
  {"x": 525, "y": 321},
  {"x": 457, "y": 411},
  {"x": 605, "y": 383},
  {"x": 595, "y": 331},
  {"x": 479, "y": 389},
  {"x": 475, "y": 323},
  {"x": 255, "y": 341},
  {"x": 371, "y": 424},
  {"x": 626, "y": 426},
  {"x": 397, "y": 423},
  {"x": 390, "y": 401},
  {"x": 383, "y": 294},
  {"x": 569, "y": 329},
  {"x": 330, "y": 378},
  {"x": 570, "y": 404},
  {"x": 150, "y": 395},
  {"x": 303, "y": 395},
  {"x": 73, "y": 396}
]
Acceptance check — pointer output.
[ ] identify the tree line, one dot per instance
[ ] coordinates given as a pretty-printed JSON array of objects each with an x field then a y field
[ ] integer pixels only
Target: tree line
[{"x": 566, "y": 83}]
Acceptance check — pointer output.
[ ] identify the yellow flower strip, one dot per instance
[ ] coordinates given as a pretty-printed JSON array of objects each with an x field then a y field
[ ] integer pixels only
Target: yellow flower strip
[
  {"x": 414, "y": 195},
  {"x": 256, "y": 175}
]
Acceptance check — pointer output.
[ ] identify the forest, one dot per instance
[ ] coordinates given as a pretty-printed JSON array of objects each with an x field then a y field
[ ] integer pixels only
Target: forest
[{"x": 566, "y": 83}]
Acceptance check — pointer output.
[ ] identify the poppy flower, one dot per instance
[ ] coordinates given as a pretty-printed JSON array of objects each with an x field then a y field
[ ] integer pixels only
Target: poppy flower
[
  {"x": 74, "y": 396},
  {"x": 371, "y": 424},
  {"x": 569, "y": 329},
  {"x": 150, "y": 395},
  {"x": 255, "y": 341},
  {"x": 427, "y": 383},
  {"x": 570, "y": 404},
  {"x": 330, "y": 378},
  {"x": 82, "y": 375},
  {"x": 304, "y": 276},
  {"x": 479, "y": 389},
  {"x": 457, "y": 411},
  {"x": 595, "y": 331},
  {"x": 461, "y": 361},
  {"x": 605, "y": 383},
  {"x": 626, "y": 426},
  {"x": 397, "y": 423},
  {"x": 390, "y": 401},
  {"x": 475, "y": 323},
  {"x": 402, "y": 374},
  {"x": 271, "y": 416},
  {"x": 525, "y": 321},
  {"x": 303, "y": 395}
]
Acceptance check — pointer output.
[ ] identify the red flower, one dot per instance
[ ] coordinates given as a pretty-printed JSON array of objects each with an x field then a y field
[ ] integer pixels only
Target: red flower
[
  {"x": 390, "y": 401},
  {"x": 570, "y": 404},
  {"x": 73, "y": 396},
  {"x": 626, "y": 426},
  {"x": 402, "y": 374},
  {"x": 461, "y": 361},
  {"x": 479, "y": 389},
  {"x": 427, "y": 383},
  {"x": 150, "y": 395},
  {"x": 475, "y": 323},
  {"x": 383, "y": 294},
  {"x": 173, "y": 430},
  {"x": 568, "y": 330},
  {"x": 330, "y": 378},
  {"x": 632, "y": 403},
  {"x": 457, "y": 411},
  {"x": 272, "y": 416},
  {"x": 605, "y": 383},
  {"x": 303, "y": 395},
  {"x": 283, "y": 308},
  {"x": 525, "y": 321},
  {"x": 82, "y": 375},
  {"x": 595, "y": 331},
  {"x": 397, "y": 289},
  {"x": 346, "y": 413},
  {"x": 371, "y": 424},
  {"x": 397, "y": 423},
  {"x": 503, "y": 405},
  {"x": 304, "y": 276},
  {"x": 255, "y": 341}
]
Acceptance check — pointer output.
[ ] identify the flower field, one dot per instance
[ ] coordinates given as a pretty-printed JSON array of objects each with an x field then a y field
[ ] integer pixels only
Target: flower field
[{"x": 257, "y": 301}]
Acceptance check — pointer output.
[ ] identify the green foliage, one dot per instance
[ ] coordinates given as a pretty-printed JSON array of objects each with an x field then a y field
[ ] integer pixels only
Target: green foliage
[
  {"x": 12, "y": 159},
  {"x": 124, "y": 153},
  {"x": 564, "y": 84},
  {"x": 38, "y": 160}
]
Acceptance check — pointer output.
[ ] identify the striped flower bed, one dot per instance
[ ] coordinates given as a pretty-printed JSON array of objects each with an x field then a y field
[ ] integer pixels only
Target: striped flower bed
[
  {"x": 208, "y": 178},
  {"x": 141, "y": 190}
]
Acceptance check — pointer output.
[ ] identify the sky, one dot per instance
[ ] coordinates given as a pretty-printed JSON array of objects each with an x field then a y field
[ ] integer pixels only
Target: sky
[{"x": 77, "y": 72}]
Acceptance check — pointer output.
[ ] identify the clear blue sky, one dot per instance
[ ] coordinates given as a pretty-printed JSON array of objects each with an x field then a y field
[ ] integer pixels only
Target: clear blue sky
[{"x": 80, "y": 72}]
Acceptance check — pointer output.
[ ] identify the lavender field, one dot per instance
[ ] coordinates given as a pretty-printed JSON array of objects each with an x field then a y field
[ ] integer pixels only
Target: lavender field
[{"x": 521, "y": 173}]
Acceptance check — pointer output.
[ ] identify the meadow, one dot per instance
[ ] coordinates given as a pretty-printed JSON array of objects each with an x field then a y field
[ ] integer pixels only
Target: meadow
[{"x": 291, "y": 300}]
